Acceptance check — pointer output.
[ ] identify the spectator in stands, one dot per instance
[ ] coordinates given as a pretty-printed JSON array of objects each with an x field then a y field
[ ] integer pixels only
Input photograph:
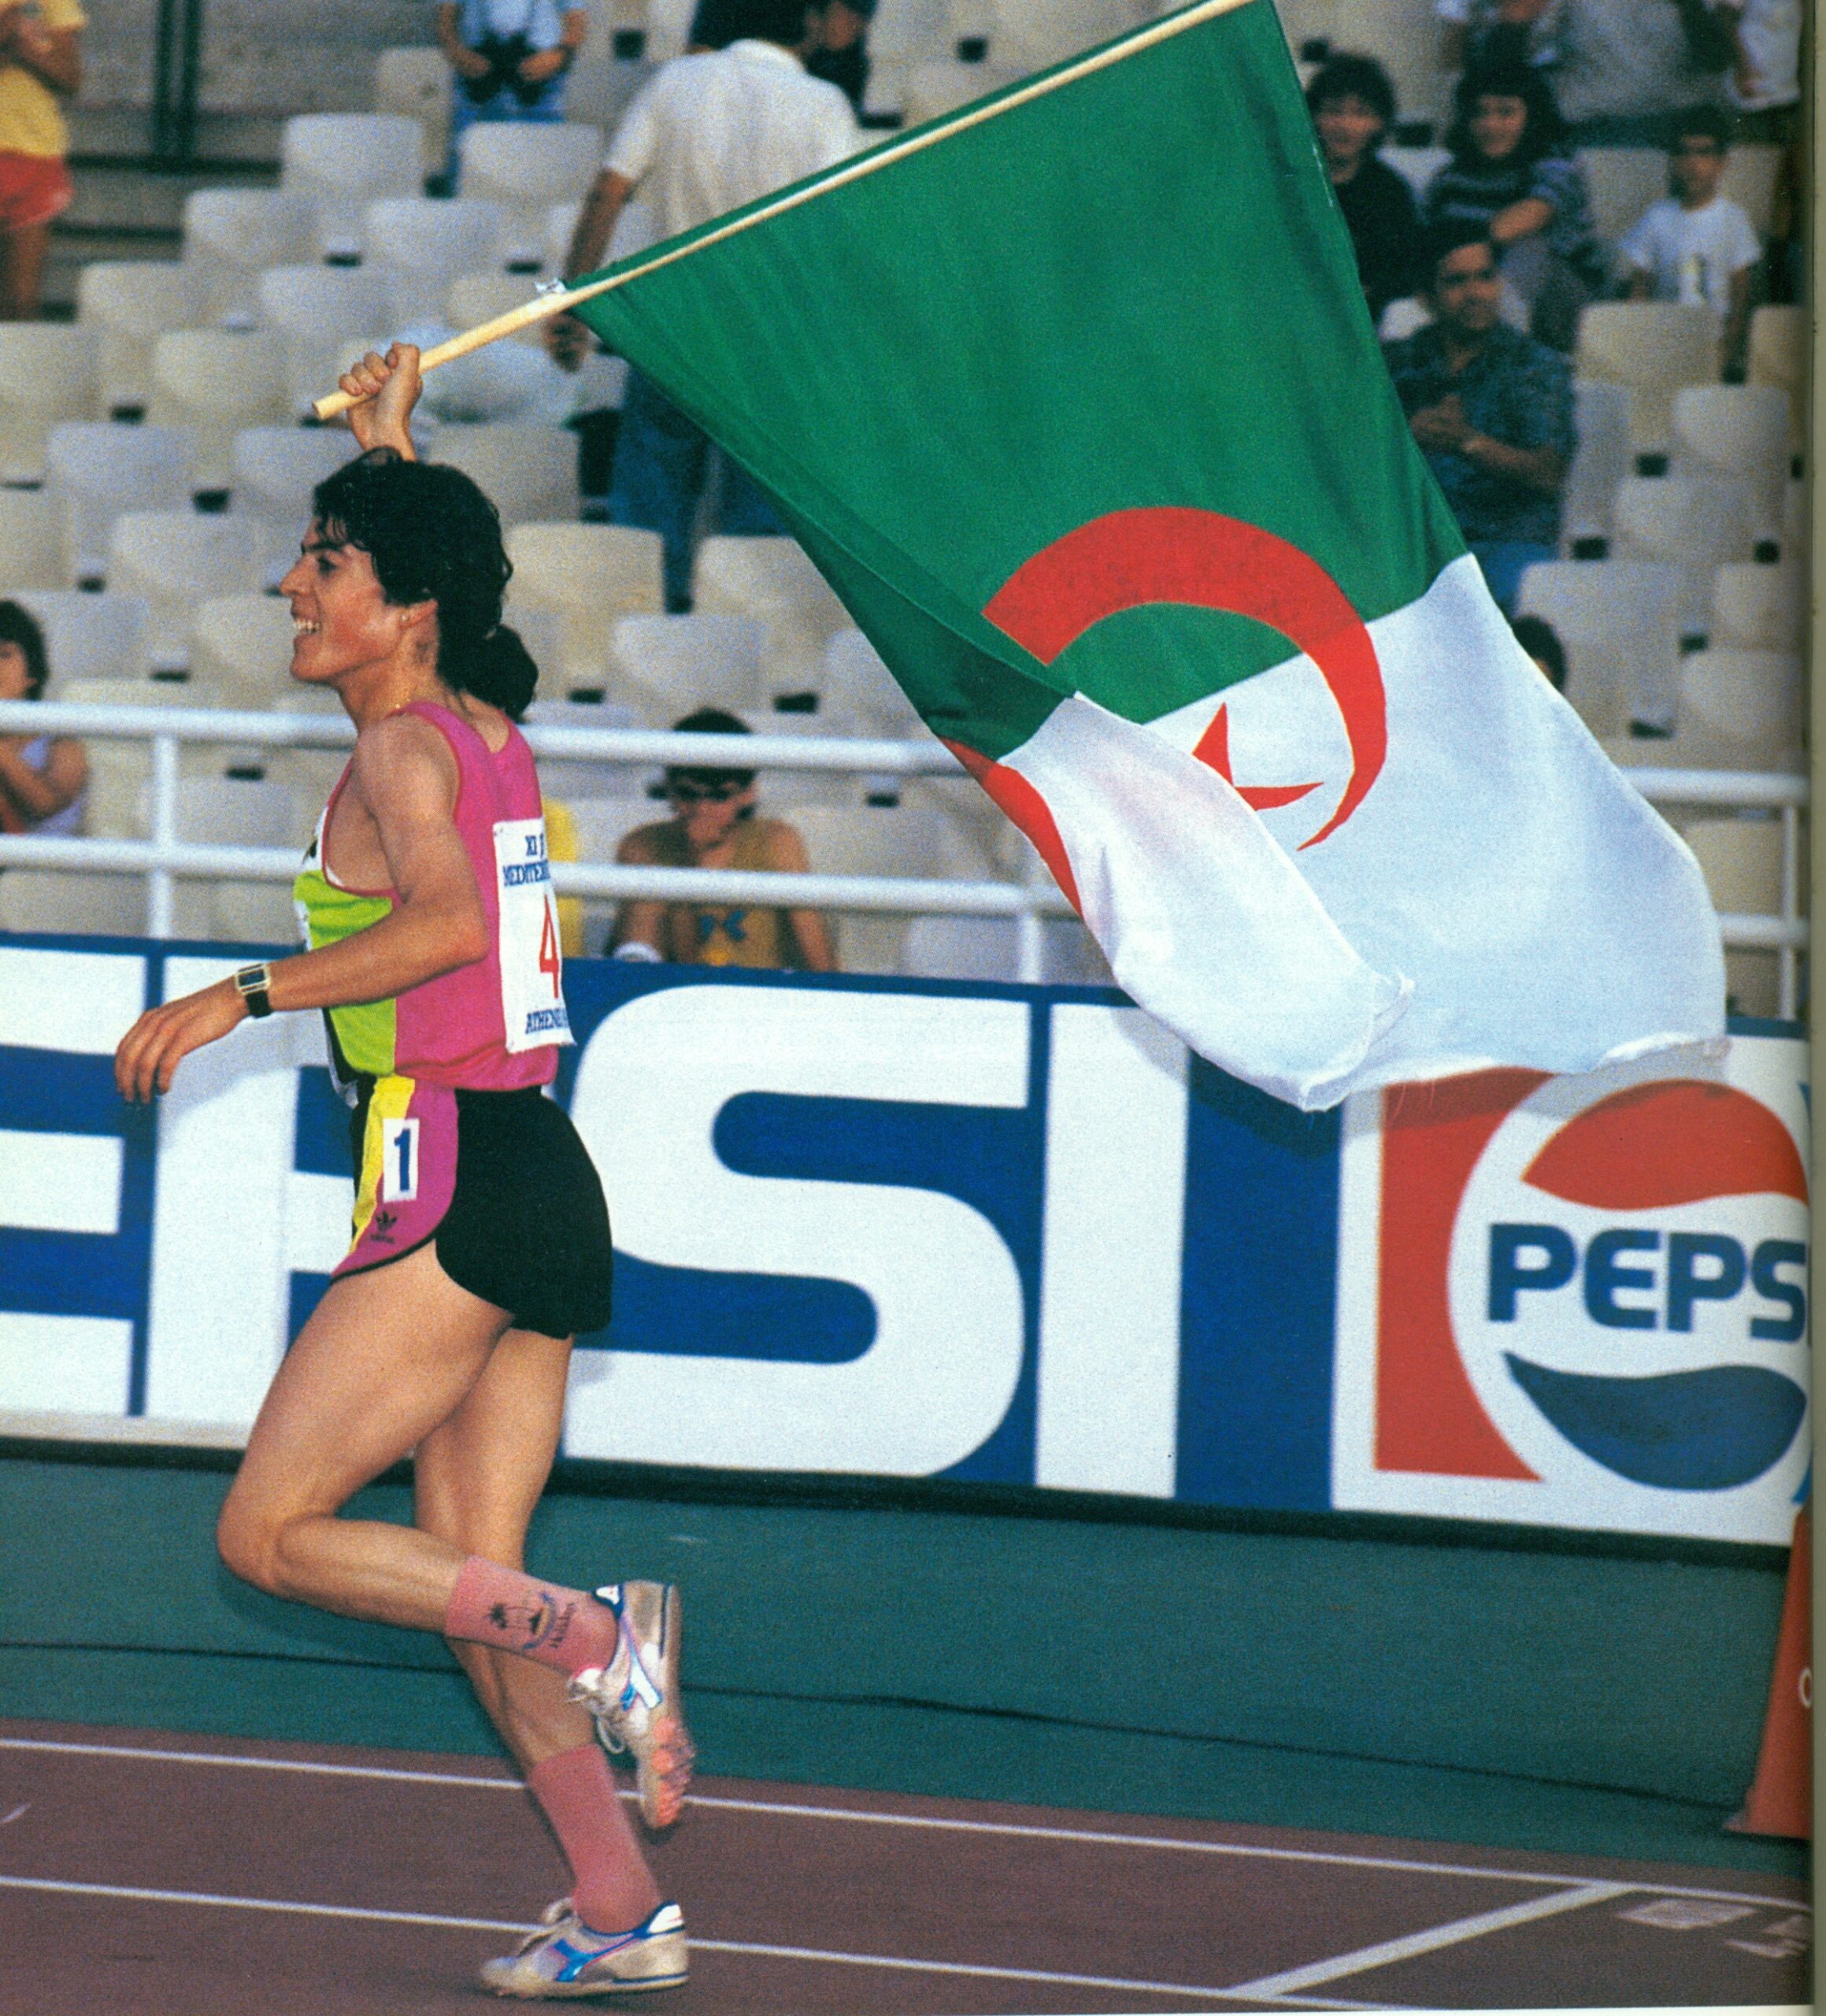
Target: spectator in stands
[
  {"x": 1509, "y": 174},
  {"x": 40, "y": 62},
  {"x": 1764, "y": 83},
  {"x": 839, "y": 47},
  {"x": 1352, "y": 103},
  {"x": 1624, "y": 64},
  {"x": 1537, "y": 637},
  {"x": 706, "y": 134},
  {"x": 1492, "y": 409},
  {"x": 43, "y": 779},
  {"x": 1696, "y": 244},
  {"x": 713, "y": 825},
  {"x": 511, "y": 58},
  {"x": 1480, "y": 31}
]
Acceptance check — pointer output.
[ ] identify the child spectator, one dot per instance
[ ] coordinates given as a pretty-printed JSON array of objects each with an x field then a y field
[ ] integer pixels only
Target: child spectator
[
  {"x": 43, "y": 778},
  {"x": 1696, "y": 244},
  {"x": 1509, "y": 174},
  {"x": 1352, "y": 104},
  {"x": 40, "y": 62}
]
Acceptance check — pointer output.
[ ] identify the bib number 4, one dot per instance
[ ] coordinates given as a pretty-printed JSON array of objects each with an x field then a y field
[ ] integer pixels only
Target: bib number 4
[{"x": 533, "y": 998}]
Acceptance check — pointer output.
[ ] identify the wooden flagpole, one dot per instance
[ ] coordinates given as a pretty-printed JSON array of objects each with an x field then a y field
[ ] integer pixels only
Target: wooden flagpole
[{"x": 558, "y": 300}]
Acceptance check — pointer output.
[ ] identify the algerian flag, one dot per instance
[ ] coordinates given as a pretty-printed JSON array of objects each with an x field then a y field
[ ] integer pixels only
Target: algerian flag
[{"x": 1073, "y": 397}]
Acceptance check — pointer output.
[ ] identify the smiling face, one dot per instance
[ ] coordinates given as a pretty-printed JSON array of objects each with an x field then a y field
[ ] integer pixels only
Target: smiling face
[
  {"x": 1348, "y": 127},
  {"x": 341, "y": 621},
  {"x": 1466, "y": 292},
  {"x": 1497, "y": 123}
]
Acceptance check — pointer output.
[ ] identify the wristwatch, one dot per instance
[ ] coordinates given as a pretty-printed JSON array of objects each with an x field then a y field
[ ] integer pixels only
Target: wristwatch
[{"x": 251, "y": 983}]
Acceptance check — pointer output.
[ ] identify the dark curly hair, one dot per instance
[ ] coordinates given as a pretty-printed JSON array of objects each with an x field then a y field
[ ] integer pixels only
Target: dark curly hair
[
  {"x": 433, "y": 536},
  {"x": 1543, "y": 134},
  {"x": 19, "y": 626},
  {"x": 1350, "y": 76}
]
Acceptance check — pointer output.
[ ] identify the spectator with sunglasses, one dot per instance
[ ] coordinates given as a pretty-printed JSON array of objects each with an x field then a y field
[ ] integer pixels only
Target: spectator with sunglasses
[{"x": 713, "y": 825}]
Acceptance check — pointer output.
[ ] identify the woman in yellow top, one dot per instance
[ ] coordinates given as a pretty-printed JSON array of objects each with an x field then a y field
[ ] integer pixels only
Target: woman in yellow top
[
  {"x": 40, "y": 62},
  {"x": 713, "y": 825}
]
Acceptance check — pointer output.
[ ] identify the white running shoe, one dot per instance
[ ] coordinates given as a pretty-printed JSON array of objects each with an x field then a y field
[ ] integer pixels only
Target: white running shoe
[
  {"x": 636, "y": 1700},
  {"x": 562, "y": 1958}
]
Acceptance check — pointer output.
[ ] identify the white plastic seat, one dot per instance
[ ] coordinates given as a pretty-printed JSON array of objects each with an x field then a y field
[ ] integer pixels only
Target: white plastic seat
[
  {"x": 275, "y": 469},
  {"x": 176, "y": 559},
  {"x": 603, "y": 823},
  {"x": 65, "y": 900},
  {"x": 524, "y": 169},
  {"x": 242, "y": 643},
  {"x": 120, "y": 767},
  {"x": 501, "y": 383},
  {"x": 130, "y": 303},
  {"x": 773, "y": 580},
  {"x": 1741, "y": 709},
  {"x": 1778, "y": 356},
  {"x": 935, "y": 88},
  {"x": 90, "y": 636},
  {"x": 674, "y": 664},
  {"x": 530, "y": 473},
  {"x": 49, "y": 374},
  {"x": 241, "y": 813},
  {"x": 478, "y": 298},
  {"x": 218, "y": 381},
  {"x": 1739, "y": 432},
  {"x": 1654, "y": 347},
  {"x": 32, "y": 542},
  {"x": 232, "y": 235},
  {"x": 1618, "y": 622},
  {"x": 579, "y": 779},
  {"x": 415, "y": 84},
  {"x": 1416, "y": 166},
  {"x": 316, "y": 312},
  {"x": 1601, "y": 461},
  {"x": 1028, "y": 34},
  {"x": 1741, "y": 859},
  {"x": 1404, "y": 36},
  {"x": 424, "y": 243},
  {"x": 1760, "y": 608},
  {"x": 589, "y": 576},
  {"x": 343, "y": 161},
  {"x": 96, "y": 469},
  {"x": 1621, "y": 182},
  {"x": 667, "y": 23},
  {"x": 1697, "y": 524},
  {"x": 899, "y": 841},
  {"x": 1751, "y": 172},
  {"x": 857, "y": 683}
]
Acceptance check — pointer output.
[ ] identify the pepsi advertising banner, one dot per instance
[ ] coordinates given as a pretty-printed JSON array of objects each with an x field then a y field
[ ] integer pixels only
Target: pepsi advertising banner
[{"x": 1015, "y": 1234}]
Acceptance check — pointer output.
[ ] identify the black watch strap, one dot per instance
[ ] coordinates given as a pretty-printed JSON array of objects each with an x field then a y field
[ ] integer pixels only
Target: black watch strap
[{"x": 251, "y": 983}]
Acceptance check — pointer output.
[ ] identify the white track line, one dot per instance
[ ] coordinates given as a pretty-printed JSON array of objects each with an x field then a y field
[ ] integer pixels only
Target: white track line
[
  {"x": 1016, "y": 1830},
  {"x": 1389, "y": 1951},
  {"x": 434, "y": 1921}
]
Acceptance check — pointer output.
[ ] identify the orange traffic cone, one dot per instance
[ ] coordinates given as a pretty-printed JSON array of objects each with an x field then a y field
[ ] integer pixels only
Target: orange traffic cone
[{"x": 1780, "y": 1797}]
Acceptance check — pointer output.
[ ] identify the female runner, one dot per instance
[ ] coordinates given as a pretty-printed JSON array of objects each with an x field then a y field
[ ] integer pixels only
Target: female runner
[{"x": 481, "y": 1239}]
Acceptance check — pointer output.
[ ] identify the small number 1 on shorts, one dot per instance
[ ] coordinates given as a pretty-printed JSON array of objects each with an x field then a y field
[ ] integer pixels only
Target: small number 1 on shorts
[{"x": 399, "y": 1157}]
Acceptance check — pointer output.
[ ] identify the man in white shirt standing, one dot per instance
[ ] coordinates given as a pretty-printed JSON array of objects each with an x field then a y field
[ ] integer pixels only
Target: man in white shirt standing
[
  {"x": 707, "y": 134},
  {"x": 1697, "y": 245}
]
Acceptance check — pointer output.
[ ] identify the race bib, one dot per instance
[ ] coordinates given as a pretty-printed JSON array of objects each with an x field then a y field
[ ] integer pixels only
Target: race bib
[{"x": 533, "y": 998}]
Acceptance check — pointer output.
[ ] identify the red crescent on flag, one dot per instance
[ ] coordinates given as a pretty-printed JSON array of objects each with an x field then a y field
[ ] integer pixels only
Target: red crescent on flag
[{"x": 1174, "y": 553}]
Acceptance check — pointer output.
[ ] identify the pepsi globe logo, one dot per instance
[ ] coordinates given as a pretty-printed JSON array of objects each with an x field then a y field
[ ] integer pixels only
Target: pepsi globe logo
[{"x": 1627, "y": 1282}]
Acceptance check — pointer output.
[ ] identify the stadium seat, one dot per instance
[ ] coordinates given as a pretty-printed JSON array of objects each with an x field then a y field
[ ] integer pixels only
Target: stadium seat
[
  {"x": 579, "y": 779},
  {"x": 1741, "y": 859},
  {"x": 989, "y": 948},
  {"x": 422, "y": 244},
  {"x": 773, "y": 580},
  {"x": 1751, "y": 173},
  {"x": 176, "y": 559},
  {"x": 415, "y": 84},
  {"x": 934, "y": 89},
  {"x": 311, "y": 773},
  {"x": 479, "y": 298},
  {"x": 65, "y": 900},
  {"x": 529, "y": 472},
  {"x": 318, "y": 312},
  {"x": 1778, "y": 356},
  {"x": 1761, "y": 608},
  {"x": 48, "y": 375},
  {"x": 1621, "y": 182},
  {"x": 95, "y": 469},
  {"x": 1028, "y": 34},
  {"x": 1601, "y": 461},
  {"x": 667, "y": 665},
  {"x": 238, "y": 813},
  {"x": 1416, "y": 166},
  {"x": 1697, "y": 524},
  {"x": 1797, "y": 507},
  {"x": 242, "y": 644},
  {"x": 218, "y": 381},
  {"x": 1404, "y": 36},
  {"x": 120, "y": 766},
  {"x": 589, "y": 575},
  {"x": 899, "y": 841},
  {"x": 1654, "y": 347},
  {"x": 1618, "y": 622},
  {"x": 90, "y": 636},
  {"x": 231, "y": 236},
  {"x": 668, "y": 25},
  {"x": 130, "y": 303},
  {"x": 274, "y": 471},
  {"x": 344, "y": 161},
  {"x": 524, "y": 169},
  {"x": 856, "y": 683},
  {"x": 1741, "y": 709},
  {"x": 32, "y": 544},
  {"x": 1739, "y": 432}
]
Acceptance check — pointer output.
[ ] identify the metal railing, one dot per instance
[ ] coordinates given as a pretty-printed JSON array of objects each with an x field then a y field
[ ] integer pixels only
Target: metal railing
[{"x": 163, "y": 857}]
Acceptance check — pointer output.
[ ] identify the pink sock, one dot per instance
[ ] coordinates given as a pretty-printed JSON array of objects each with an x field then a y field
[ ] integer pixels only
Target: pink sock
[
  {"x": 501, "y": 1608},
  {"x": 614, "y": 1890}
]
